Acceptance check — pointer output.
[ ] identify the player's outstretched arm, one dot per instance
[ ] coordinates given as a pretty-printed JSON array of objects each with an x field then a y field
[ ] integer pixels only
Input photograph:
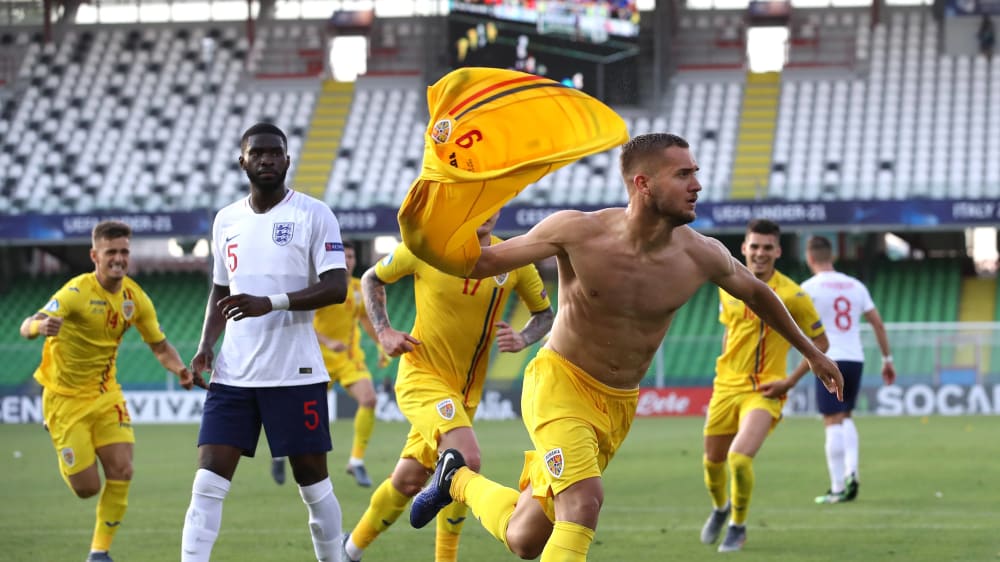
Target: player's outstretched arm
[
  {"x": 167, "y": 355},
  {"x": 542, "y": 241},
  {"x": 392, "y": 341},
  {"x": 737, "y": 280},
  {"x": 39, "y": 324},
  {"x": 781, "y": 387}
]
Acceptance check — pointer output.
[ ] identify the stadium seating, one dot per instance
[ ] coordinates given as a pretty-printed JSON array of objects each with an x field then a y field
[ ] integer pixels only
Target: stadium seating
[
  {"x": 144, "y": 118},
  {"x": 918, "y": 124},
  {"x": 138, "y": 119}
]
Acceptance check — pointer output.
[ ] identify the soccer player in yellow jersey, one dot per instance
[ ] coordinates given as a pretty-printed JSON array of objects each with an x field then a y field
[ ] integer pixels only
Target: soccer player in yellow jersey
[
  {"x": 339, "y": 335},
  {"x": 750, "y": 385},
  {"x": 623, "y": 273},
  {"x": 84, "y": 408},
  {"x": 441, "y": 374}
]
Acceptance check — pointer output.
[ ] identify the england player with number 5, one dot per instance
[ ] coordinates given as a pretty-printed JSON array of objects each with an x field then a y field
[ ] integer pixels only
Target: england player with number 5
[
  {"x": 278, "y": 257},
  {"x": 841, "y": 301}
]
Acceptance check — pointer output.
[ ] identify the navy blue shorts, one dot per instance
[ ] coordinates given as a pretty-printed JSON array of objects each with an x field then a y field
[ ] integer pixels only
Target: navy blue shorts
[
  {"x": 827, "y": 403},
  {"x": 295, "y": 418}
]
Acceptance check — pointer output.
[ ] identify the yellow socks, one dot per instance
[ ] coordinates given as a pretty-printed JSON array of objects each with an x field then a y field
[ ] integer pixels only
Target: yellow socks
[
  {"x": 490, "y": 502},
  {"x": 569, "y": 543},
  {"x": 715, "y": 481},
  {"x": 449, "y": 526},
  {"x": 741, "y": 467},
  {"x": 364, "y": 424},
  {"x": 110, "y": 512},
  {"x": 383, "y": 510}
]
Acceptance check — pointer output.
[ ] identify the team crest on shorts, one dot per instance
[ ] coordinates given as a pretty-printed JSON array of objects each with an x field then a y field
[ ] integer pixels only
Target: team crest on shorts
[
  {"x": 282, "y": 233},
  {"x": 501, "y": 279},
  {"x": 128, "y": 309},
  {"x": 441, "y": 131},
  {"x": 68, "y": 456},
  {"x": 554, "y": 462},
  {"x": 446, "y": 409}
]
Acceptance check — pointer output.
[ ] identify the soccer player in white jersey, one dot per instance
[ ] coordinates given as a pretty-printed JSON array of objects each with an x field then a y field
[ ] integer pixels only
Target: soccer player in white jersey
[
  {"x": 278, "y": 257},
  {"x": 841, "y": 301}
]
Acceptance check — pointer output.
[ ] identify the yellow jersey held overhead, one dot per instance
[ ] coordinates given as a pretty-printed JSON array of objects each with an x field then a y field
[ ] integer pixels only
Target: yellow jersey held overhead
[
  {"x": 754, "y": 353},
  {"x": 79, "y": 362},
  {"x": 456, "y": 316},
  {"x": 491, "y": 133}
]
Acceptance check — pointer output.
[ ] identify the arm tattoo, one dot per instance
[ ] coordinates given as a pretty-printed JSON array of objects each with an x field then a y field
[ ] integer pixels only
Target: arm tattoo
[
  {"x": 374, "y": 292},
  {"x": 537, "y": 326}
]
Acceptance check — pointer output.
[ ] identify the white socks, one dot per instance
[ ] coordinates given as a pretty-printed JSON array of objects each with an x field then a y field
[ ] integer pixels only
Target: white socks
[
  {"x": 850, "y": 447},
  {"x": 354, "y": 552},
  {"x": 835, "y": 457},
  {"x": 204, "y": 516},
  {"x": 325, "y": 519}
]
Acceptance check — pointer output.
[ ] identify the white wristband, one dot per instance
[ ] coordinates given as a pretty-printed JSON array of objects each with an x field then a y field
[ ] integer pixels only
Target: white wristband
[
  {"x": 887, "y": 358},
  {"x": 279, "y": 301}
]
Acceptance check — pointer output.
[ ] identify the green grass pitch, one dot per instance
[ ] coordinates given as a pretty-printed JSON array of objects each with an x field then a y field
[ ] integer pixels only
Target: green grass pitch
[{"x": 929, "y": 492}]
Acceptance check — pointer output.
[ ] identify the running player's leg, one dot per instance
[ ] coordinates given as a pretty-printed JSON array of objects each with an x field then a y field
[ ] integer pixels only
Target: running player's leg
[
  {"x": 721, "y": 425},
  {"x": 363, "y": 392},
  {"x": 758, "y": 417},
  {"x": 386, "y": 504},
  {"x": 852, "y": 387},
  {"x": 451, "y": 519},
  {"x": 434, "y": 411},
  {"x": 110, "y": 438}
]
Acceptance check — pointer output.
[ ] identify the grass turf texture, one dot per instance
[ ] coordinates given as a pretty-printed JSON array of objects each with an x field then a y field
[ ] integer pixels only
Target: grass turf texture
[{"x": 928, "y": 493}]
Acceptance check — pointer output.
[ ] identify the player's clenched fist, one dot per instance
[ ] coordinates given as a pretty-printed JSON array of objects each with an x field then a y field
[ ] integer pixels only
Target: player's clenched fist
[{"x": 50, "y": 325}]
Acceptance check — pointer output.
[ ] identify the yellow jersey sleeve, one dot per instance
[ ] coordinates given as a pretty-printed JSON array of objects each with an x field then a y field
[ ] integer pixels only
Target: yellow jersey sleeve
[
  {"x": 531, "y": 289},
  {"x": 803, "y": 311},
  {"x": 396, "y": 265},
  {"x": 67, "y": 301}
]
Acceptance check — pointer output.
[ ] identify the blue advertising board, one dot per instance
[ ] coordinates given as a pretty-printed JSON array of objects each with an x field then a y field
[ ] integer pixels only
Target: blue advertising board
[{"x": 914, "y": 214}]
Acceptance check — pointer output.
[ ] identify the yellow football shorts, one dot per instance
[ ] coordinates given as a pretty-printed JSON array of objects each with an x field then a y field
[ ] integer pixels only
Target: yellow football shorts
[
  {"x": 79, "y": 427},
  {"x": 575, "y": 422},
  {"x": 433, "y": 408},
  {"x": 727, "y": 409},
  {"x": 346, "y": 370}
]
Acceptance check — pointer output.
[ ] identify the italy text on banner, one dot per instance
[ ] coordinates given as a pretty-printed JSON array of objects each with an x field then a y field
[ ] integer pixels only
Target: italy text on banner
[{"x": 492, "y": 132}]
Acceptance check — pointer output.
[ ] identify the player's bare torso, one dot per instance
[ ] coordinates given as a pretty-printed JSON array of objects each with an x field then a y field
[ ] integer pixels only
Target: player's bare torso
[{"x": 617, "y": 298}]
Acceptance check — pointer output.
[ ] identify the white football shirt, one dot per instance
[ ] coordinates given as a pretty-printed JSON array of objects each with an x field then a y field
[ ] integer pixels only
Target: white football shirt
[
  {"x": 840, "y": 300},
  {"x": 280, "y": 251}
]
